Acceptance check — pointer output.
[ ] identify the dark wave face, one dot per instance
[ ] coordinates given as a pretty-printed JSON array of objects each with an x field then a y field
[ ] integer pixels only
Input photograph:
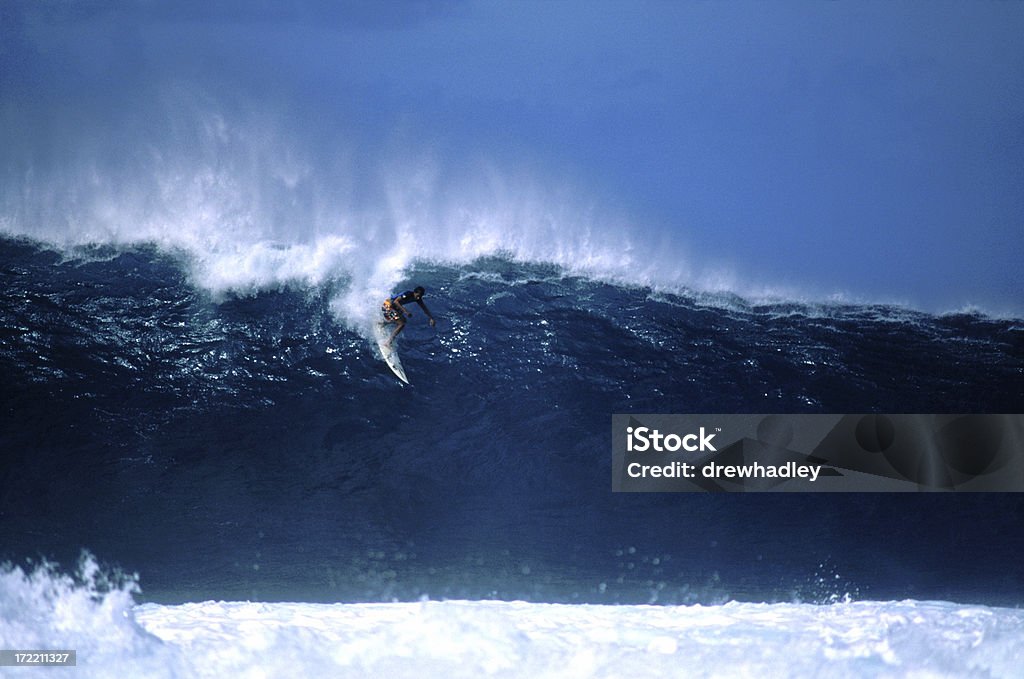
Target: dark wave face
[{"x": 256, "y": 447}]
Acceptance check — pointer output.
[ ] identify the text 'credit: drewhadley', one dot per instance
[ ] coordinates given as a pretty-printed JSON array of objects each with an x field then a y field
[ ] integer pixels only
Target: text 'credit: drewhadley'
[{"x": 817, "y": 453}]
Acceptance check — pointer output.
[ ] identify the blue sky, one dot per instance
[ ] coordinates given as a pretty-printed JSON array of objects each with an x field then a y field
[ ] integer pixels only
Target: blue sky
[{"x": 871, "y": 149}]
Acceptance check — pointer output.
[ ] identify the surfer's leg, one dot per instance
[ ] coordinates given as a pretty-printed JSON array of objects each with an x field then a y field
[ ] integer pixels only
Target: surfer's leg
[{"x": 399, "y": 324}]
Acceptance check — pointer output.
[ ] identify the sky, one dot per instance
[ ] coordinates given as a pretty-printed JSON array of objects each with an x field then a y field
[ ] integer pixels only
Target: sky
[{"x": 852, "y": 150}]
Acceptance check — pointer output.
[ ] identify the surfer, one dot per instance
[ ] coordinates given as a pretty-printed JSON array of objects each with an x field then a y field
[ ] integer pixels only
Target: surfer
[{"x": 395, "y": 313}]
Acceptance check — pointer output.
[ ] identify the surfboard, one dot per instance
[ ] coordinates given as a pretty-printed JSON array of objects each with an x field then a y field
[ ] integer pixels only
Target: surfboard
[{"x": 389, "y": 354}]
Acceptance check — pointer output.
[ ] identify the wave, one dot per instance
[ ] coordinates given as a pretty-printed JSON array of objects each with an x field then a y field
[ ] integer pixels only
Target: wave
[{"x": 266, "y": 435}]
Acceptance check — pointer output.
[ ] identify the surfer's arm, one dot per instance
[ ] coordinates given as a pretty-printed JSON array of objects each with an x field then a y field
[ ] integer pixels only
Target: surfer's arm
[
  {"x": 402, "y": 308},
  {"x": 425, "y": 310}
]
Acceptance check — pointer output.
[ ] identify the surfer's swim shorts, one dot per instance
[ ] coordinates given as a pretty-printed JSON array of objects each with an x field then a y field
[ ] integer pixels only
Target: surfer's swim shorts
[{"x": 391, "y": 313}]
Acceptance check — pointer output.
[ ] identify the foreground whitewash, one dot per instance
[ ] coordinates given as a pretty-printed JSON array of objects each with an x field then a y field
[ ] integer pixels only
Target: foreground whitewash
[
  {"x": 114, "y": 637},
  {"x": 488, "y": 638}
]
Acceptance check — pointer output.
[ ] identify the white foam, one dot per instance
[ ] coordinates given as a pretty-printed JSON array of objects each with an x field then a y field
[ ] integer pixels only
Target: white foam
[
  {"x": 253, "y": 204},
  {"x": 451, "y": 639},
  {"x": 89, "y": 613},
  {"x": 516, "y": 639}
]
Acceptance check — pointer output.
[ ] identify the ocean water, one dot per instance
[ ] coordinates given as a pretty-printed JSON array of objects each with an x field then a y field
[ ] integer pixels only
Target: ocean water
[{"x": 263, "y": 497}]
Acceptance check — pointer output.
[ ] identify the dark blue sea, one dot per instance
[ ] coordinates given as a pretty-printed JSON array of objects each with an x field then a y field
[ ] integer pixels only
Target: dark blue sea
[{"x": 250, "y": 444}]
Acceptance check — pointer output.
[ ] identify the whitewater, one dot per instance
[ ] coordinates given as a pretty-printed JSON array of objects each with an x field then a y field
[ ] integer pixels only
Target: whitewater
[{"x": 113, "y": 637}]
